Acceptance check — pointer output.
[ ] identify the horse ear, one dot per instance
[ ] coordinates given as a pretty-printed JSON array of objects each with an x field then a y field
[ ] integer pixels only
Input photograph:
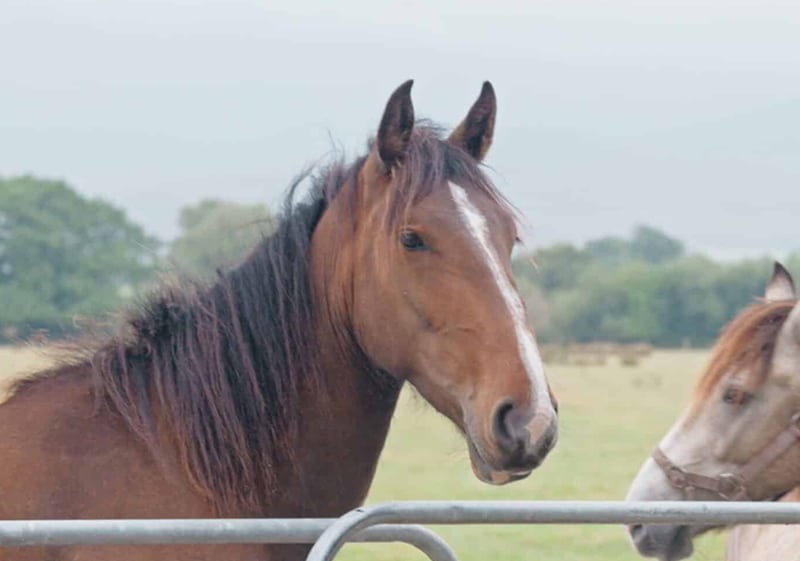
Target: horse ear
[
  {"x": 780, "y": 286},
  {"x": 787, "y": 348},
  {"x": 475, "y": 132},
  {"x": 396, "y": 125}
]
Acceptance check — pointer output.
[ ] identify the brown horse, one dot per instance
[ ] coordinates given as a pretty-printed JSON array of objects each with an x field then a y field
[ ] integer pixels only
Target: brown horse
[
  {"x": 740, "y": 437},
  {"x": 269, "y": 393}
]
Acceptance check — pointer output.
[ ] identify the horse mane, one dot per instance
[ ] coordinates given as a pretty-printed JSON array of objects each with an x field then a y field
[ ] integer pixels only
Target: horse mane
[
  {"x": 747, "y": 344},
  {"x": 220, "y": 366},
  {"x": 224, "y": 363}
]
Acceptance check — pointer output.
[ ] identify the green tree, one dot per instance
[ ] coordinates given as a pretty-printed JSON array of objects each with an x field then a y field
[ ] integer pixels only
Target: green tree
[
  {"x": 62, "y": 254},
  {"x": 609, "y": 251},
  {"x": 688, "y": 305},
  {"x": 653, "y": 246},
  {"x": 643, "y": 288},
  {"x": 608, "y": 305},
  {"x": 217, "y": 234},
  {"x": 739, "y": 284},
  {"x": 561, "y": 266}
]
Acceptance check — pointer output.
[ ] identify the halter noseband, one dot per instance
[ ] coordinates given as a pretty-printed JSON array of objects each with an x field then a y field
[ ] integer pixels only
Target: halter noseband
[{"x": 730, "y": 486}]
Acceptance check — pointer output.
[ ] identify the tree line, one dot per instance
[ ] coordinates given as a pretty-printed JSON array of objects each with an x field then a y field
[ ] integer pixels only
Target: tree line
[
  {"x": 64, "y": 256},
  {"x": 644, "y": 288}
]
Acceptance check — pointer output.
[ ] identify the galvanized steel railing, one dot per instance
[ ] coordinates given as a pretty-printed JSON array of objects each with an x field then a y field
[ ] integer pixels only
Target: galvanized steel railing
[
  {"x": 209, "y": 531},
  {"x": 550, "y": 512},
  {"x": 389, "y": 522}
]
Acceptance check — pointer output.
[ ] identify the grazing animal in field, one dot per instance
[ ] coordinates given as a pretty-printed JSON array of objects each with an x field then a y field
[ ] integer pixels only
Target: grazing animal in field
[
  {"x": 269, "y": 392},
  {"x": 740, "y": 437}
]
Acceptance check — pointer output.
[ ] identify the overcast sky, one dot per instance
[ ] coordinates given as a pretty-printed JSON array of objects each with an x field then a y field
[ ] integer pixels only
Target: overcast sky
[{"x": 682, "y": 115}]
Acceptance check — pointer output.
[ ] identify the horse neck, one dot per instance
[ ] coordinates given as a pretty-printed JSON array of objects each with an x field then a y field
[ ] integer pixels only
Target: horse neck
[{"x": 345, "y": 417}]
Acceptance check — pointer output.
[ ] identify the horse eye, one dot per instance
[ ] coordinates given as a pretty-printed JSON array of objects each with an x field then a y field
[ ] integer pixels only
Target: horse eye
[
  {"x": 735, "y": 396},
  {"x": 411, "y": 241}
]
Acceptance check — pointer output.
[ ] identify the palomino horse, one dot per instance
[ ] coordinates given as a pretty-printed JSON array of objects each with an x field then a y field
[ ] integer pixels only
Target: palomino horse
[
  {"x": 269, "y": 392},
  {"x": 740, "y": 437}
]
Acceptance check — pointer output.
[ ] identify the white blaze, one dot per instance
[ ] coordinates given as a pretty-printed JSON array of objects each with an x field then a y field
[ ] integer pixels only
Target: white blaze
[
  {"x": 651, "y": 483},
  {"x": 529, "y": 352}
]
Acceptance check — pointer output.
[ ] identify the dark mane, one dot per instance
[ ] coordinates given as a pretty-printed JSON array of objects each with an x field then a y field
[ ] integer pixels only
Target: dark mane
[
  {"x": 224, "y": 363},
  {"x": 747, "y": 343},
  {"x": 220, "y": 366}
]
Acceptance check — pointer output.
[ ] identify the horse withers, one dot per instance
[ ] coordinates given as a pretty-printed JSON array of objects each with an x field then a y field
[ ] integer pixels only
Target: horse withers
[
  {"x": 269, "y": 392},
  {"x": 740, "y": 436}
]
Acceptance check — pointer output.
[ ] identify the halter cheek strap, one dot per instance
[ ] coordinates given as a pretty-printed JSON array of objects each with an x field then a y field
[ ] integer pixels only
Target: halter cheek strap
[{"x": 730, "y": 486}]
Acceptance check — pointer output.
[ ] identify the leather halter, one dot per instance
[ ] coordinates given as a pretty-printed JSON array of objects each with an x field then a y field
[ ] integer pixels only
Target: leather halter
[{"x": 730, "y": 486}]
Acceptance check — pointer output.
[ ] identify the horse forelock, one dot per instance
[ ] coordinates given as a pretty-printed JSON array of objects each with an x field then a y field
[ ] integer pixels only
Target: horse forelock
[
  {"x": 430, "y": 163},
  {"x": 746, "y": 346}
]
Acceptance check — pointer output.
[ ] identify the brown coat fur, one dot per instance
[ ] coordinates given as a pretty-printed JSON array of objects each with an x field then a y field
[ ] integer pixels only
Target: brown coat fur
[{"x": 269, "y": 393}]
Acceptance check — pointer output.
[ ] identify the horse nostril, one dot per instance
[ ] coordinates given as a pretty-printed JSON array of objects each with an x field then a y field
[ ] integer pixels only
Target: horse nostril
[
  {"x": 503, "y": 426},
  {"x": 512, "y": 432},
  {"x": 635, "y": 530},
  {"x": 549, "y": 440}
]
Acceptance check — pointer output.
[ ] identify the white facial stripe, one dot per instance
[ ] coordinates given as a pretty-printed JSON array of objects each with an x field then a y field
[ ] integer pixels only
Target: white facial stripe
[
  {"x": 651, "y": 483},
  {"x": 529, "y": 352}
]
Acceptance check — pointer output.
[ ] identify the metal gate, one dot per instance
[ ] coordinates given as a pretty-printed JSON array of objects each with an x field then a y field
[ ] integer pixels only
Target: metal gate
[{"x": 389, "y": 522}]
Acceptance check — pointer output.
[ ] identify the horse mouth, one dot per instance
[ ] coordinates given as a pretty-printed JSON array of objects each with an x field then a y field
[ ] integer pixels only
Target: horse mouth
[
  {"x": 667, "y": 543},
  {"x": 486, "y": 473}
]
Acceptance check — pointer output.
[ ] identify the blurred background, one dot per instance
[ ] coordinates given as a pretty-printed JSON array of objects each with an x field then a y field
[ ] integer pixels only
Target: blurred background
[{"x": 651, "y": 147}]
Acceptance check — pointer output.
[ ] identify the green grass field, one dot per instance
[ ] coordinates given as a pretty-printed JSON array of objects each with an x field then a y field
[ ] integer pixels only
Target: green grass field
[{"x": 611, "y": 417}]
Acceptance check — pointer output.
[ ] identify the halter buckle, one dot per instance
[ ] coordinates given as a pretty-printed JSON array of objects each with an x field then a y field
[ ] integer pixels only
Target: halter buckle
[{"x": 731, "y": 486}]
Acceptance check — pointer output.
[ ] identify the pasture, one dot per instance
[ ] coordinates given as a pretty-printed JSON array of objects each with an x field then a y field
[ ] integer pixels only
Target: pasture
[{"x": 611, "y": 416}]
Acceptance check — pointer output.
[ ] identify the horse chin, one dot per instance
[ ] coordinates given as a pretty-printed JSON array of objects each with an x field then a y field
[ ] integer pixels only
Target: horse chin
[
  {"x": 666, "y": 543},
  {"x": 487, "y": 474}
]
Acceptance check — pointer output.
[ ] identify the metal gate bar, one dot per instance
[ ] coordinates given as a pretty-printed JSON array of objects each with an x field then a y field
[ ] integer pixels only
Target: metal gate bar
[
  {"x": 550, "y": 512},
  {"x": 389, "y": 522},
  {"x": 208, "y": 531}
]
